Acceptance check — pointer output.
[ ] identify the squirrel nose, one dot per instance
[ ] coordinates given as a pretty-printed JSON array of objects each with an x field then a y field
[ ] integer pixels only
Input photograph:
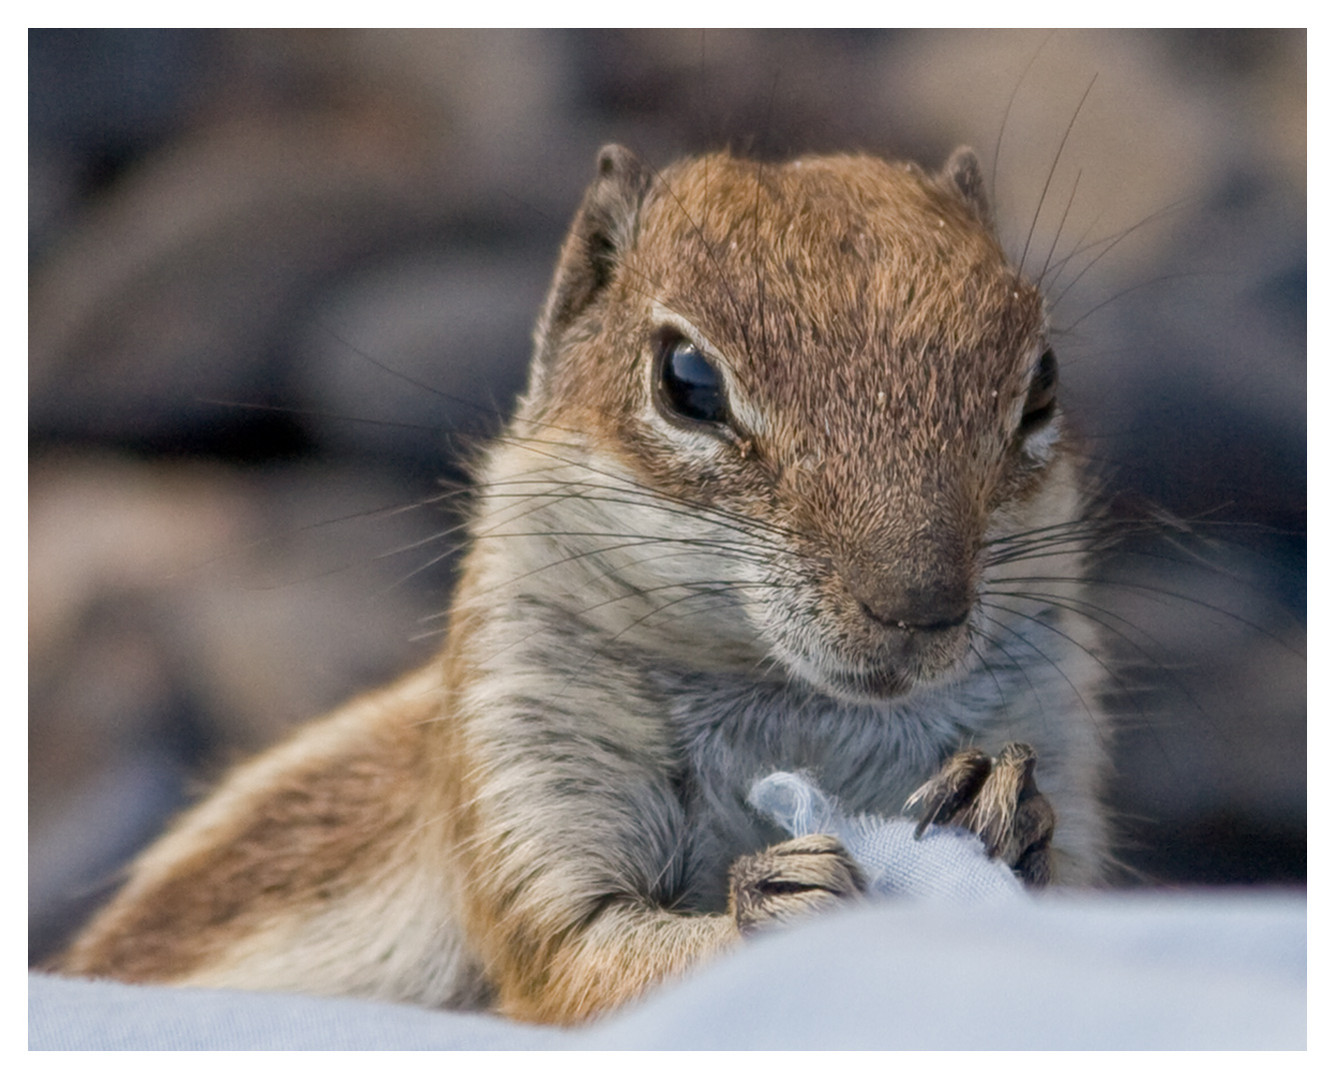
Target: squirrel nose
[{"x": 938, "y": 605}]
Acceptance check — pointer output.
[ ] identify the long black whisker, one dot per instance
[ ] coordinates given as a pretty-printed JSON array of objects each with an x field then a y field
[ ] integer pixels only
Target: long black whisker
[
  {"x": 1159, "y": 591},
  {"x": 1062, "y": 223},
  {"x": 318, "y": 414},
  {"x": 1040, "y": 652},
  {"x": 1086, "y": 610},
  {"x": 1043, "y": 195},
  {"x": 1105, "y": 246},
  {"x": 1006, "y": 113},
  {"x": 1014, "y": 665},
  {"x": 1071, "y": 327}
]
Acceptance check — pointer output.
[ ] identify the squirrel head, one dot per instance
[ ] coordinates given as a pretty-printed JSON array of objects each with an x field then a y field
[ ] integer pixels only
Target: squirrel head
[{"x": 836, "y": 349}]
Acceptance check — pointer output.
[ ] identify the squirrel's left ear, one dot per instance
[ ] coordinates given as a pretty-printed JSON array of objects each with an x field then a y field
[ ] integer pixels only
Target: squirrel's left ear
[
  {"x": 962, "y": 173},
  {"x": 602, "y": 233}
]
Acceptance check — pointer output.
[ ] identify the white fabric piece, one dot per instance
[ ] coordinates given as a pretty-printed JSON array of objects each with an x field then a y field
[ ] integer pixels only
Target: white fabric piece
[{"x": 946, "y": 863}]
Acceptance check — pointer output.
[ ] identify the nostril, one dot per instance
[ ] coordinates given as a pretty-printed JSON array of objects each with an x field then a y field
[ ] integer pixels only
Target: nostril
[
  {"x": 949, "y": 623},
  {"x": 898, "y": 624},
  {"x": 910, "y": 621}
]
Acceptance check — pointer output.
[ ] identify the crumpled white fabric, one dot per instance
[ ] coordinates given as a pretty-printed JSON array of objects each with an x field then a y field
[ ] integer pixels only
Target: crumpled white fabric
[{"x": 946, "y": 863}]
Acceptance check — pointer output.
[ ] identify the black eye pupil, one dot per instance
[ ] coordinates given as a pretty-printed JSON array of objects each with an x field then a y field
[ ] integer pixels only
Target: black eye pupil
[
  {"x": 1043, "y": 395},
  {"x": 690, "y": 385}
]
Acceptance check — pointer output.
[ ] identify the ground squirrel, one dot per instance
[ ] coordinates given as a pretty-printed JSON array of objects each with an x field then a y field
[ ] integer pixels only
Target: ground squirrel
[{"x": 789, "y": 489}]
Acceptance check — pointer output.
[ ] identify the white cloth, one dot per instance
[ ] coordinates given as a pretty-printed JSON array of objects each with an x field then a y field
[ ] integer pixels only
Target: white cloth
[{"x": 945, "y": 864}]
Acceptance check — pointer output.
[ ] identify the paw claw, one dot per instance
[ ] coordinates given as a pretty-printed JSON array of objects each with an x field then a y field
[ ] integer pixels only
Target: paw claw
[
  {"x": 997, "y": 799},
  {"x": 788, "y": 880},
  {"x": 952, "y": 790}
]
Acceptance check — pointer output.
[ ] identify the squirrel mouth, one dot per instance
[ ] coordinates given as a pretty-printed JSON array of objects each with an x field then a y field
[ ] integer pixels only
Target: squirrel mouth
[
  {"x": 857, "y": 686},
  {"x": 878, "y": 679},
  {"x": 873, "y": 663}
]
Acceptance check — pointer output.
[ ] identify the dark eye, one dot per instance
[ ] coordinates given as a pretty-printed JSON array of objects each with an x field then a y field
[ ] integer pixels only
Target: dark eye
[
  {"x": 1042, "y": 400},
  {"x": 689, "y": 386}
]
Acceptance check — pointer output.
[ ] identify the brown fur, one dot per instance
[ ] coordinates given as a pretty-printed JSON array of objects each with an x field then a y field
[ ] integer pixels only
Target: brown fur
[{"x": 873, "y": 259}]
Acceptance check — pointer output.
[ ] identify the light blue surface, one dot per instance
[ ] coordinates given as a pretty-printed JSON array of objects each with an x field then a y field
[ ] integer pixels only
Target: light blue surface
[{"x": 1116, "y": 971}]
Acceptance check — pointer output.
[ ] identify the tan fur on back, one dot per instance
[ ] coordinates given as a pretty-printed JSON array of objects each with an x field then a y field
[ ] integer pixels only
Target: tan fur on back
[{"x": 331, "y": 812}]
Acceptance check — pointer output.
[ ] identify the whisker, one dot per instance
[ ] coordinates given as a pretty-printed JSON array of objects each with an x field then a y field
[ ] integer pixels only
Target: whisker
[
  {"x": 1105, "y": 246},
  {"x": 1043, "y": 194},
  {"x": 1062, "y": 222},
  {"x": 1090, "y": 713},
  {"x": 1015, "y": 666},
  {"x": 1006, "y": 113},
  {"x": 1092, "y": 613},
  {"x": 1160, "y": 592}
]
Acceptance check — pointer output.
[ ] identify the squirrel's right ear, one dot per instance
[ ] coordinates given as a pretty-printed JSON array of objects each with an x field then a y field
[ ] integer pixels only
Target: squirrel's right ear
[
  {"x": 963, "y": 174},
  {"x": 603, "y": 231}
]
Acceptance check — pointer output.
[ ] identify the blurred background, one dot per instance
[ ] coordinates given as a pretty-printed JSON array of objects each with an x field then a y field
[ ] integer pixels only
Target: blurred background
[{"x": 281, "y": 280}]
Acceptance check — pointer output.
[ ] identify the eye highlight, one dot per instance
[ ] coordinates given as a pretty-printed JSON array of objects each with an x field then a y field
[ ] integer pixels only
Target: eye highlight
[
  {"x": 688, "y": 387},
  {"x": 1042, "y": 400}
]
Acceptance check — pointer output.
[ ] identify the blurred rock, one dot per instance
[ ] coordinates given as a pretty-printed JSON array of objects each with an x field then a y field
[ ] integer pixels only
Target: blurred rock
[{"x": 182, "y": 614}]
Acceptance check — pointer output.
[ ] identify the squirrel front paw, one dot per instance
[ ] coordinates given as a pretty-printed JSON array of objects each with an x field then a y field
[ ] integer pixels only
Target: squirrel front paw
[
  {"x": 996, "y": 798},
  {"x": 790, "y": 880}
]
